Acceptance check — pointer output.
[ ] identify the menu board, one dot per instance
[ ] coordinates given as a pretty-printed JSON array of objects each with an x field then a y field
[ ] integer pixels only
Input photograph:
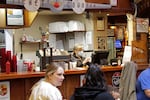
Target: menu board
[{"x": 15, "y": 17}]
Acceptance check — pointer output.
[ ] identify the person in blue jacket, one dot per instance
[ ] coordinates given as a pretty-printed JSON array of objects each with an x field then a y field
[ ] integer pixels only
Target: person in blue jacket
[{"x": 143, "y": 85}]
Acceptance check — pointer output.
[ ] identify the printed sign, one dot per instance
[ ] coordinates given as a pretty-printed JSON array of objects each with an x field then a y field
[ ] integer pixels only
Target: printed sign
[
  {"x": 116, "y": 79},
  {"x": 4, "y": 90},
  {"x": 142, "y": 24}
]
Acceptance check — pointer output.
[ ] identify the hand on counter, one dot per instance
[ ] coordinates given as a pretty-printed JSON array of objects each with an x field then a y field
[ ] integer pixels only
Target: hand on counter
[{"x": 87, "y": 59}]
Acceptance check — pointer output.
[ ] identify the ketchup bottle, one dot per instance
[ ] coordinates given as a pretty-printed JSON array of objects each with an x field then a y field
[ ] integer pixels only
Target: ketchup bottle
[
  {"x": 14, "y": 63},
  {"x": 7, "y": 67}
]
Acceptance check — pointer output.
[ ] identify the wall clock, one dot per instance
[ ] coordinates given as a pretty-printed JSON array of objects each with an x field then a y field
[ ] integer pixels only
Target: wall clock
[
  {"x": 78, "y": 6},
  {"x": 56, "y": 5},
  {"x": 32, "y": 5}
]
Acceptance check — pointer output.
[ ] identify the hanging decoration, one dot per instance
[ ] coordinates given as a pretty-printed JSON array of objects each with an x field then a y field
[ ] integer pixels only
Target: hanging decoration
[
  {"x": 78, "y": 6},
  {"x": 67, "y": 3},
  {"x": 56, "y": 5},
  {"x": 32, "y": 5}
]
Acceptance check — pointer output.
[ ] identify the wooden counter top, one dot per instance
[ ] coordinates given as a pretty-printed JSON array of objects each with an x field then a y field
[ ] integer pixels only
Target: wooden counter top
[
  {"x": 15, "y": 75},
  {"x": 22, "y": 82}
]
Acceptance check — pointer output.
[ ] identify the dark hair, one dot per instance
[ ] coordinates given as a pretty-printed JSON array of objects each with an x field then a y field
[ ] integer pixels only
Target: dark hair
[{"x": 95, "y": 78}]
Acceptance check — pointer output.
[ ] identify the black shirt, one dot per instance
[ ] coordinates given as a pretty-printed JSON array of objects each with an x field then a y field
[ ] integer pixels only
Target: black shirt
[{"x": 91, "y": 94}]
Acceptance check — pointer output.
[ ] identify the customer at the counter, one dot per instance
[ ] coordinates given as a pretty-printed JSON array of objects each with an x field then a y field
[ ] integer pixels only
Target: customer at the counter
[
  {"x": 94, "y": 88},
  {"x": 76, "y": 56},
  {"x": 46, "y": 89},
  {"x": 143, "y": 85}
]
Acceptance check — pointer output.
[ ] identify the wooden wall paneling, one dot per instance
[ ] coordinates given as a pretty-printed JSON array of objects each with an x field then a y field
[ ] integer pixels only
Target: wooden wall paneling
[
  {"x": 139, "y": 50},
  {"x": 29, "y": 82},
  {"x": 143, "y": 8},
  {"x": 124, "y": 4},
  {"x": 17, "y": 89},
  {"x": 99, "y": 33},
  {"x": 29, "y": 17},
  {"x": 3, "y": 18},
  {"x": 123, "y": 7},
  {"x": 73, "y": 82}
]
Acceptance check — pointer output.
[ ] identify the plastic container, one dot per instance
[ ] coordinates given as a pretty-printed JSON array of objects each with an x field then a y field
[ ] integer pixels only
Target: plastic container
[{"x": 19, "y": 65}]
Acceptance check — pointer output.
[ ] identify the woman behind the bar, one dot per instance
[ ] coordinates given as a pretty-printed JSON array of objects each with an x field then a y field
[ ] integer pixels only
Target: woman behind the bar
[
  {"x": 76, "y": 56},
  {"x": 46, "y": 89},
  {"x": 94, "y": 88}
]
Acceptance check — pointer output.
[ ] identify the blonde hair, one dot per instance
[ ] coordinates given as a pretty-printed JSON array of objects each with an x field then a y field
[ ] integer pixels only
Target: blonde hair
[
  {"x": 78, "y": 47},
  {"x": 52, "y": 68}
]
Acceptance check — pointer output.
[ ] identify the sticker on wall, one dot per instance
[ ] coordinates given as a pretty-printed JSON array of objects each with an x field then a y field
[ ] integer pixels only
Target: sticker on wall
[
  {"x": 32, "y": 5},
  {"x": 116, "y": 79},
  {"x": 56, "y": 5},
  {"x": 78, "y": 6},
  {"x": 4, "y": 90}
]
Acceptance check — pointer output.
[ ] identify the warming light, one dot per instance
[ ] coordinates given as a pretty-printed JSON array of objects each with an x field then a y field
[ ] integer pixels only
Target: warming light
[{"x": 112, "y": 27}]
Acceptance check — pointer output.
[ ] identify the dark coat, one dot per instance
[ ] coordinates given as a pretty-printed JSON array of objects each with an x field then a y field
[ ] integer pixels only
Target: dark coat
[{"x": 91, "y": 94}]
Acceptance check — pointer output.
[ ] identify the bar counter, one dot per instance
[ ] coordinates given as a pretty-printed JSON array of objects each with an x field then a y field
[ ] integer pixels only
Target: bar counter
[
  {"x": 21, "y": 83},
  {"x": 15, "y": 75}
]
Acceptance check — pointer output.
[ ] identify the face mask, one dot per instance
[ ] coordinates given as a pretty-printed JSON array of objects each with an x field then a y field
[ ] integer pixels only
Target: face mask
[{"x": 80, "y": 53}]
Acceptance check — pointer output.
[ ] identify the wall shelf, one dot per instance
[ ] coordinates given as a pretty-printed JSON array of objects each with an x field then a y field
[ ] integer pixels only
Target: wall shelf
[
  {"x": 40, "y": 43},
  {"x": 32, "y": 42}
]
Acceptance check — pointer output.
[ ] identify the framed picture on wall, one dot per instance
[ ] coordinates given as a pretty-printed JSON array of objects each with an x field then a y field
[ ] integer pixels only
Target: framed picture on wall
[
  {"x": 142, "y": 24},
  {"x": 102, "y": 43},
  {"x": 15, "y": 16},
  {"x": 110, "y": 32},
  {"x": 120, "y": 33},
  {"x": 100, "y": 23}
]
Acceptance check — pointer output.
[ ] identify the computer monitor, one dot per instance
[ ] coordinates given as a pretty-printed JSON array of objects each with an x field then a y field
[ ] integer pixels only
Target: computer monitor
[
  {"x": 118, "y": 44},
  {"x": 100, "y": 57}
]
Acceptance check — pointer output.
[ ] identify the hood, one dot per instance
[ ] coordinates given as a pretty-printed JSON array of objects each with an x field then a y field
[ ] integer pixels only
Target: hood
[{"x": 86, "y": 93}]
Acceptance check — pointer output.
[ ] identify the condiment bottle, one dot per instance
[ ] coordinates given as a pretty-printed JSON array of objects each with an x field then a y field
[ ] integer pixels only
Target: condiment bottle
[{"x": 7, "y": 67}]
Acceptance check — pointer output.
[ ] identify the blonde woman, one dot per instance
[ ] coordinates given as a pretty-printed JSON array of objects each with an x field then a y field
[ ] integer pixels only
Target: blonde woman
[
  {"x": 76, "y": 56},
  {"x": 46, "y": 89}
]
